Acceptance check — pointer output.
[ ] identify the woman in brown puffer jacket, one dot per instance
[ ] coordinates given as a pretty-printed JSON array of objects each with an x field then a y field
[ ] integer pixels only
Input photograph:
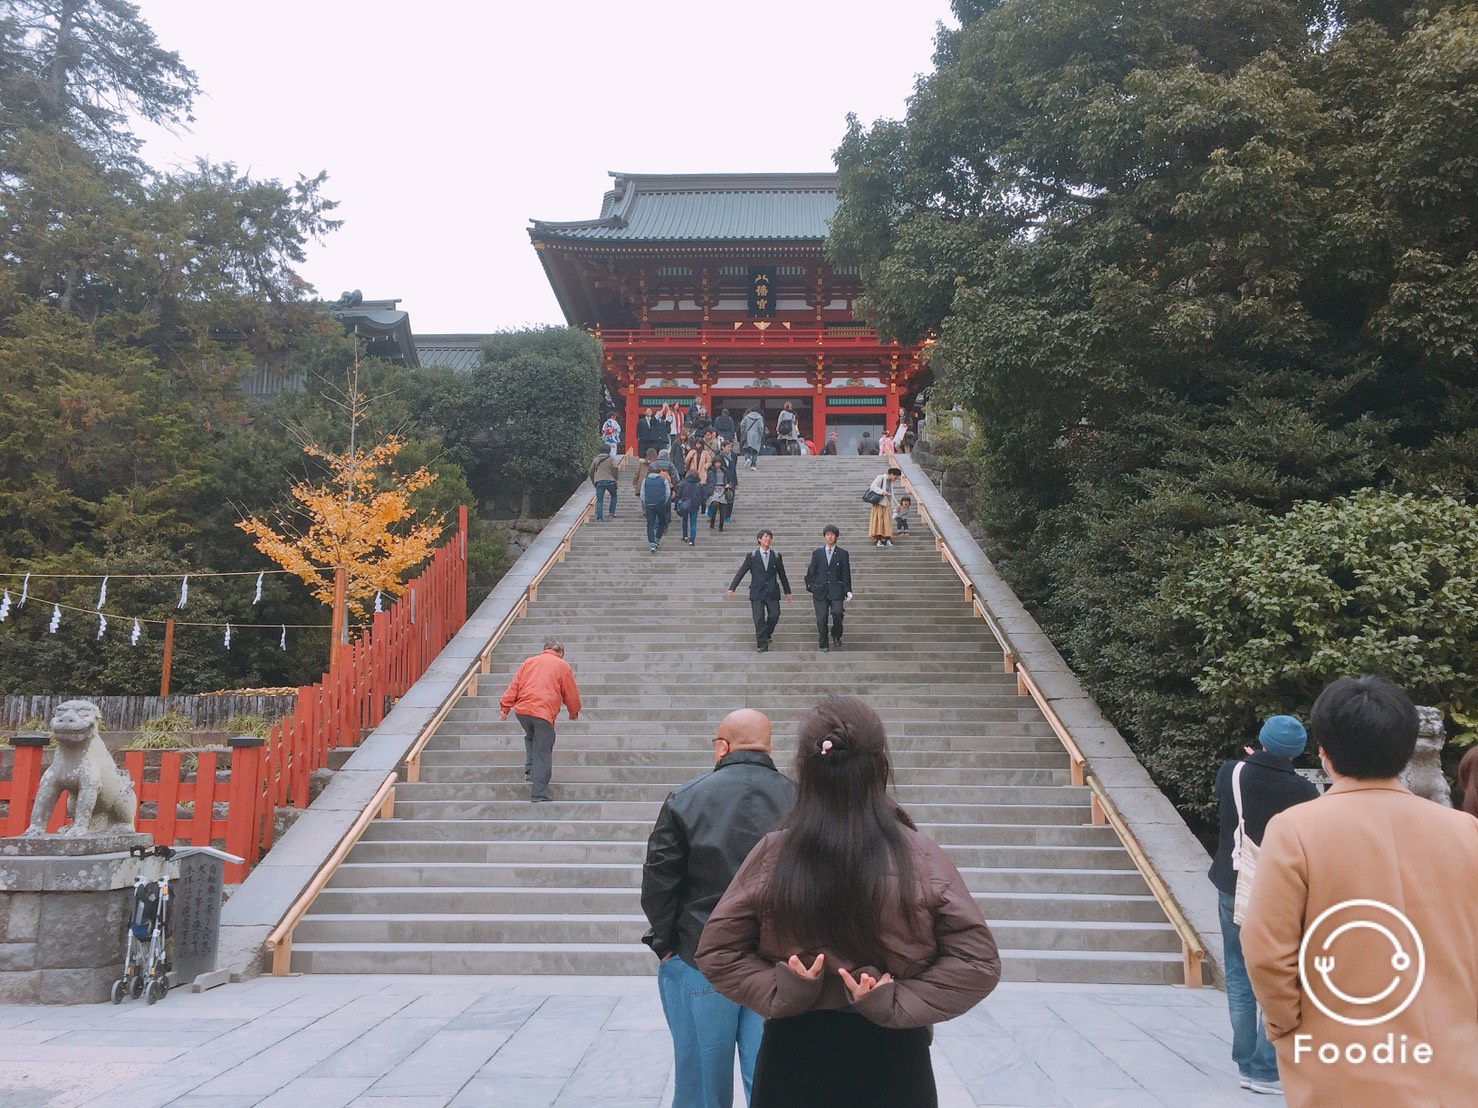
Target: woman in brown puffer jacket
[{"x": 848, "y": 930}]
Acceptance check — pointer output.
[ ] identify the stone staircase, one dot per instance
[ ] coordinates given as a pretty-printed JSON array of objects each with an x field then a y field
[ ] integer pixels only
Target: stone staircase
[{"x": 469, "y": 877}]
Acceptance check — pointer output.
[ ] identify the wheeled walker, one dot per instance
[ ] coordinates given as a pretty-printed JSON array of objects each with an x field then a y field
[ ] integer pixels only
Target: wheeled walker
[{"x": 146, "y": 946}]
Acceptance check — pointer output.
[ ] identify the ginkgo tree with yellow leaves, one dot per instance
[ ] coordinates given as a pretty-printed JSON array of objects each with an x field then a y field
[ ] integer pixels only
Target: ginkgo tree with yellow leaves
[{"x": 361, "y": 534}]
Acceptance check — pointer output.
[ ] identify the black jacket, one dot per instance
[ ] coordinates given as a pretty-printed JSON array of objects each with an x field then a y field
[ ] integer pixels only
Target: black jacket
[
  {"x": 729, "y": 464},
  {"x": 724, "y": 426},
  {"x": 764, "y": 584},
  {"x": 706, "y": 829},
  {"x": 651, "y": 433},
  {"x": 1269, "y": 785},
  {"x": 829, "y": 582}
]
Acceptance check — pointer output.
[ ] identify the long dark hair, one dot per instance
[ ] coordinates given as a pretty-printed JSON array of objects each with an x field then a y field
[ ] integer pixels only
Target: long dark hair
[{"x": 844, "y": 838}]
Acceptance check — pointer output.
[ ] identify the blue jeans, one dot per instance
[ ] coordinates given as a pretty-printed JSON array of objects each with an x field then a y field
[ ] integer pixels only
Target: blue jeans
[
  {"x": 657, "y": 521},
  {"x": 753, "y": 455},
  {"x": 1254, "y": 1055},
  {"x": 690, "y": 526},
  {"x": 706, "y": 1027},
  {"x": 601, "y": 488}
]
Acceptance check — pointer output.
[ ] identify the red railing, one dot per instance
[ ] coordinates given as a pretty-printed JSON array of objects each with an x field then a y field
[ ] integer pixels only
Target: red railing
[
  {"x": 750, "y": 338},
  {"x": 267, "y": 774}
]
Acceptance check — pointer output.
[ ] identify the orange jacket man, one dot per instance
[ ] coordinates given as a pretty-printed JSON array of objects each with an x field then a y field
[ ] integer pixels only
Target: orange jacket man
[{"x": 534, "y": 695}]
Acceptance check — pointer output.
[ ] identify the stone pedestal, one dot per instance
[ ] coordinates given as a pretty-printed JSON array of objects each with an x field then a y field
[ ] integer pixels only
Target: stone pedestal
[{"x": 64, "y": 902}]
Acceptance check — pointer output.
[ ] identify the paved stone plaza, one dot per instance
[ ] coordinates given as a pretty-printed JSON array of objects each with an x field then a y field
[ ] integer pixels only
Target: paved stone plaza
[{"x": 522, "y": 1042}]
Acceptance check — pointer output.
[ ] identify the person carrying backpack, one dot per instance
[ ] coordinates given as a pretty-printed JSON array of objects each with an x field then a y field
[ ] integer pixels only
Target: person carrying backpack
[
  {"x": 787, "y": 431},
  {"x": 689, "y": 500},
  {"x": 752, "y": 435},
  {"x": 656, "y": 502}
]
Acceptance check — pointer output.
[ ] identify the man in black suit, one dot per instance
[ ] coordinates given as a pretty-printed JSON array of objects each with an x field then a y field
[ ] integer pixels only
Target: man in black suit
[
  {"x": 767, "y": 578},
  {"x": 829, "y": 581},
  {"x": 651, "y": 433}
]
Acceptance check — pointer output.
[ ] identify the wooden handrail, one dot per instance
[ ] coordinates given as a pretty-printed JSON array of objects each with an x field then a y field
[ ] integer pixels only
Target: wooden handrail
[
  {"x": 1025, "y": 686},
  {"x": 382, "y": 804},
  {"x": 1009, "y": 655},
  {"x": 1192, "y": 950}
]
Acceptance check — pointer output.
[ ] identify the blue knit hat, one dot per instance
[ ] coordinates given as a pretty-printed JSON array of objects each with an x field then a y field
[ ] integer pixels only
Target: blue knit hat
[{"x": 1284, "y": 736}]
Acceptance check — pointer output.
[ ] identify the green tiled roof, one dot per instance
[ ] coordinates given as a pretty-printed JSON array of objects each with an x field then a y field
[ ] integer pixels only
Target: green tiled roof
[
  {"x": 459, "y": 352},
  {"x": 705, "y": 207}
]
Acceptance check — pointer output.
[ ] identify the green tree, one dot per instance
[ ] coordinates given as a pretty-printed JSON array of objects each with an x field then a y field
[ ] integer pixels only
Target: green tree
[
  {"x": 1376, "y": 582},
  {"x": 130, "y": 300},
  {"x": 540, "y": 390},
  {"x": 89, "y": 68},
  {"x": 1188, "y": 265}
]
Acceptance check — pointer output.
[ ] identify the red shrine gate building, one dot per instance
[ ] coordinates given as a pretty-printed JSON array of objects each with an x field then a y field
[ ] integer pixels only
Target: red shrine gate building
[{"x": 717, "y": 287}]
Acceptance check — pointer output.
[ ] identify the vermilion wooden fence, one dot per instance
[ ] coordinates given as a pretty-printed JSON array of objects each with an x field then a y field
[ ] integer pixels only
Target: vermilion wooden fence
[{"x": 264, "y": 775}]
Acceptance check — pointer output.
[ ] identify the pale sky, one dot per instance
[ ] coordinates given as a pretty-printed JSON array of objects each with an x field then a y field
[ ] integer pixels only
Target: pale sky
[{"x": 445, "y": 125}]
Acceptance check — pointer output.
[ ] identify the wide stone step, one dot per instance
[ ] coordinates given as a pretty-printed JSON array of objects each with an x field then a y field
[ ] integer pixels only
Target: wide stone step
[
  {"x": 633, "y": 960},
  {"x": 600, "y": 875},
  {"x": 602, "y": 680},
  {"x": 795, "y": 623},
  {"x": 672, "y": 664},
  {"x": 608, "y": 791},
  {"x": 697, "y": 716},
  {"x": 511, "y": 770},
  {"x": 680, "y": 765},
  {"x": 973, "y": 706},
  {"x": 636, "y": 737},
  {"x": 382, "y": 899},
  {"x": 492, "y": 927},
  {"x": 647, "y": 810},
  {"x": 551, "y": 830},
  {"x": 633, "y": 851}
]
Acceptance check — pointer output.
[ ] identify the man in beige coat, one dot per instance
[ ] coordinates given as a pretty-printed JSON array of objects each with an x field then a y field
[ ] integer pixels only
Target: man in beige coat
[{"x": 1361, "y": 937}]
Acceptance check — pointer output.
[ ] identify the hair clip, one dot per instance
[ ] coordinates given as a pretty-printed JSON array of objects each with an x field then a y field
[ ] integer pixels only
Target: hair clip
[{"x": 826, "y": 746}]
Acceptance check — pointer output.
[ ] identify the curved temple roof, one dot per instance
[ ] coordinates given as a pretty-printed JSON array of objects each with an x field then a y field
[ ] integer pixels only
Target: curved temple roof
[{"x": 706, "y": 207}]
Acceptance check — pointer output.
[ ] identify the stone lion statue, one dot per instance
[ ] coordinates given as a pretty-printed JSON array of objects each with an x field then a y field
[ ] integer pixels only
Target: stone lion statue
[
  {"x": 1423, "y": 774},
  {"x": 100, "y": 795}
]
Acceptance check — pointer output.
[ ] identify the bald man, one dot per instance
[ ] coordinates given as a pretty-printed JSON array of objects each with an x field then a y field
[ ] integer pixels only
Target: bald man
[{"x": 705, "y": 830}]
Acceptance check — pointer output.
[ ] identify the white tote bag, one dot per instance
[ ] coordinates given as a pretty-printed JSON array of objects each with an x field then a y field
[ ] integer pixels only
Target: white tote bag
[{"x": 1244, "y": 852}]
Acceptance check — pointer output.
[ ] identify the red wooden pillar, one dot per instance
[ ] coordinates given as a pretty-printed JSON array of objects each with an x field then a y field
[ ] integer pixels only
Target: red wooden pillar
[
  {"x": 818, "y": 409},
  {"x": 631, "y": 411},
  {"x": 246, "y": 804},
  {"x": 204, "y": 797},
  {"x": 25, "y": 779},
  {"x": 891, "y": 420}
]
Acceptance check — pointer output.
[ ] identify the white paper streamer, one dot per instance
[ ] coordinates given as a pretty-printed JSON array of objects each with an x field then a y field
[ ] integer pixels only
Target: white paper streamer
[
  {"x": 102, "y": 624},
  {"x": 25, "y": 591},
  {"x": 258, "y": 598},
  {"x": 56, "y": 618},
  {"x": 228, "y": 636},
  {"x": 283, "y": 643},
  {"x": 184, "y": 591},
  {"x": 103, "y": 595},
  {"x": 133, "y": 640},
  {"x": 5, "y": 606},
  {"x": 378, "y": 608}
]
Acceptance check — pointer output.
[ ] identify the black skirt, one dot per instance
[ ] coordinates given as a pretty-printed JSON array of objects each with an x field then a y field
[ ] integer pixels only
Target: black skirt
[{"x": 838, "y": 1059}]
